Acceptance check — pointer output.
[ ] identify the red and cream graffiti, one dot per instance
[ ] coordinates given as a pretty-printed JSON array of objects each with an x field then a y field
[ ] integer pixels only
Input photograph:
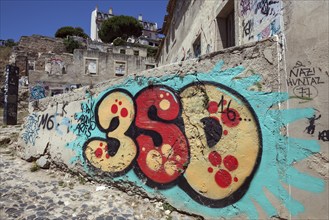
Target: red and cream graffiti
[
  {"x": 222, "y": 159},
  {"x": 114, "y": 115},
  {"x": 205, "y": 139}
]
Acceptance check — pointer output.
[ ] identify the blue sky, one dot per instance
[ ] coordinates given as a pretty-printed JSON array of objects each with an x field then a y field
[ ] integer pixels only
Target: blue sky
[{"x": 44, "y": 17}]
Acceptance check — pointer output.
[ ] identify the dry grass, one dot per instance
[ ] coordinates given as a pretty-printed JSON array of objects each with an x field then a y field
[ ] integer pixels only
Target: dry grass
[{"x": 4, "y": 56}]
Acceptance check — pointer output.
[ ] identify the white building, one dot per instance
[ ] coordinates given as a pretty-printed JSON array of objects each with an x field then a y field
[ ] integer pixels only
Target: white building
[{"x": 150, "y": 29}]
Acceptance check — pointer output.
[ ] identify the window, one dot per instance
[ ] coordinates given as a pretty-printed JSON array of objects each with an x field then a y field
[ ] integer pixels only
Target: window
[
  {"x": 31, "y": 65},
  {"x": 136, "y": 52},
  {"x": 197, "y": 47},
  {"x": 122, "y": 51},
  {"x": 120, "y": 68},
  {"x": 226, "y": 26},
  {"x": 150, "y": 66},
  {"x": 56, "y": 92},
  {"x": 91, "y": 66}
]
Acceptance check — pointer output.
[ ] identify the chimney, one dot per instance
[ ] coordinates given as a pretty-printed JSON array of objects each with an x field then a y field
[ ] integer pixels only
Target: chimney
[
  {"x": 111, "y": 11},
  {"x": 96, "y": 8},
  {"x": 140, "y": 17}
]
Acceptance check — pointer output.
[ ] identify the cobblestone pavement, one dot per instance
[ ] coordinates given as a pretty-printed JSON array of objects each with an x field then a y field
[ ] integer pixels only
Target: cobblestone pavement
[{"x": 52, "y": 194}]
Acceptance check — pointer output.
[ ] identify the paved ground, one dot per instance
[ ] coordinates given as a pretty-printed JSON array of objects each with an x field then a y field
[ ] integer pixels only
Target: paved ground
[{"x": 52, "y": 194}]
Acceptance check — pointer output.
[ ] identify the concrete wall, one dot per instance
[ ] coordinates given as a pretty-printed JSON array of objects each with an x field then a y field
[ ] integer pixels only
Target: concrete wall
[
  {"x": 208, "y": 136},
  {"x": 306, "y": 56},
  {"x": 59, "y": 73}
]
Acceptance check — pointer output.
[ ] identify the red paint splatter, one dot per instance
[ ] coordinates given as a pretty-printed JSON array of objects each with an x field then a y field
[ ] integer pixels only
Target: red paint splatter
[
  {"x": 107, "y": 156},
  {"x": 120, "y": 103},
  {"x": 106, "y": 148},
  {"x": 215, "y": 158},
  {"x": 212, "y": 107},
  {"x": 223, "y": 178},
  {"x": 230, "y": 162},
  {"x": 225, "y": 132},
  {"x": 224, "y": 102},
  {"x": 124, "y": 112},
  {"x": 98, "y": 152},
  {"x": 236, "y": 179},
  {"x": 116, "y": 100},
  {"x": 230, "y": 117},
  {"x": 114, "y": 108},
  {"x": 101, "y": 144},
  {"x": 210, "y": 170}
]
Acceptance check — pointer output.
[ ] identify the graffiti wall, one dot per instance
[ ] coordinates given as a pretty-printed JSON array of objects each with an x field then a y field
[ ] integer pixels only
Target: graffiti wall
[
  {"x": 204, "y": 139},
  {"x": 259, "y": 19},
  {"x": 38, "y": 91}
]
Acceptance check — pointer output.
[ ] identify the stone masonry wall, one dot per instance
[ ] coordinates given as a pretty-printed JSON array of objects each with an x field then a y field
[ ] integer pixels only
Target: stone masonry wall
[{"x": 208, "y": 136}]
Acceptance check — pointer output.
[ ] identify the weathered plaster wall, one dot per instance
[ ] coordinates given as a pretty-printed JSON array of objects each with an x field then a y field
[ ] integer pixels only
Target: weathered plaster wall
[
  {"x": 191, "y": 19},
  {"x": 306, "y": 55},
  {"x": 207, "y": 135},
  {"x": 55, "y": 73},
  {"x": 106, "y": 63}
]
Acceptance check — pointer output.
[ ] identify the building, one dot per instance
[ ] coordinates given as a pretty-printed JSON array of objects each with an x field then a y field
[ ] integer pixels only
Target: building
[
  {"x": 195, "y": 28},
  {"x": 51, "y": 70},
  {"x": 149, "y": 34}
]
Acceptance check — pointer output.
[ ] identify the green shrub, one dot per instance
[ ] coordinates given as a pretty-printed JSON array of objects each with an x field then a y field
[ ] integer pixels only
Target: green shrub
[{"x": 71, "y": 45}]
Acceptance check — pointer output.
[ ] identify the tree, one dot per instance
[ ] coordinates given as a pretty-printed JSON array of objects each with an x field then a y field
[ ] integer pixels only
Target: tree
[
  {"x": 119, "y": 41},
  {"x": 71, "y": 45},
  {"x": 119, "y": 26},
  {"x": 63, "y": 32},
  {"x": 9, "y": 43}
]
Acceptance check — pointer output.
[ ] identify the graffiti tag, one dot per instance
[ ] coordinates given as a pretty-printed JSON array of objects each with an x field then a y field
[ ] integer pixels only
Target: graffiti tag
[
  {"x": 37, "y": 92},
  {"x": 265, "y": 7},
  {"x": 86, "y": 120},
  {"x": 311, "y": 127},
  {"x": 31, "y": 129},
  {"x": 324, "y": 135},
  {"x": 245, "y": 6}
]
